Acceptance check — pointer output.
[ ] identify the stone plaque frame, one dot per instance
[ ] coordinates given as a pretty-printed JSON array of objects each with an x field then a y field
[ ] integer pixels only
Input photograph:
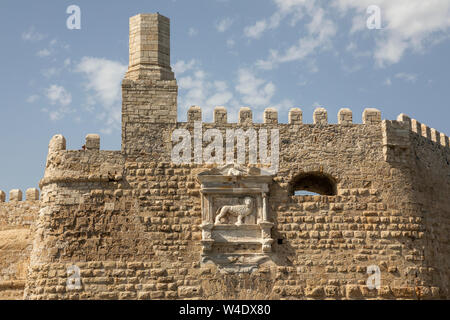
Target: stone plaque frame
[{"x": 229, "y": 187}]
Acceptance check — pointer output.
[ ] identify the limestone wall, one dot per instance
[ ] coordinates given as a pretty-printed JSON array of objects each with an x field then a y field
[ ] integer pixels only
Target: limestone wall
[
  {"x": 16, "y": 234},
  {"x": 136, "y": 235},
  {"x": 130, "y": 224}
]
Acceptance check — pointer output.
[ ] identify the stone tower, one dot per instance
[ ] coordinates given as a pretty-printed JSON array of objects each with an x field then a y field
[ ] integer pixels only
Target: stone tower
[{"x": 149, "y": 90}]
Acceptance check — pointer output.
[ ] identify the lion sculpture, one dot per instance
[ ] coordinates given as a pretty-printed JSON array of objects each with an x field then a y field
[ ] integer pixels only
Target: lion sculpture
[{"x": 240, "y": 211}]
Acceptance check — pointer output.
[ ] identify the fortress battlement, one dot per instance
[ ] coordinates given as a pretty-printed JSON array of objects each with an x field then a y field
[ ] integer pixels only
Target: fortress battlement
[
  {"x": 425, "y": 131},
  {"x": 16, "y": 195},
  {"x": 137, "y": 224},
  {"x": 270, "y": 116}
]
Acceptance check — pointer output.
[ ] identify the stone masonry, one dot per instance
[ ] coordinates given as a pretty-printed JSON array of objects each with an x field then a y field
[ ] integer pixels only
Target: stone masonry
[{"x": 132, "y": 224}]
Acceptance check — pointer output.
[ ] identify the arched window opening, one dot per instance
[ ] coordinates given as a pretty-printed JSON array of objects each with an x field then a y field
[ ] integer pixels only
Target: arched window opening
[{"x": 313, "y": 184}]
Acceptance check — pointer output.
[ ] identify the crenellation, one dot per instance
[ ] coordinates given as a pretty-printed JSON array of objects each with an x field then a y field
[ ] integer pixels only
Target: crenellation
[
  {"x": 220, "y": 115},
  {"x": 435, "y": 135},
  {"x": 371, "y": 116},
  {"x": 57, "y": 143},
  {"x": 320, "y": 116},
  {"x": 444, "y": 140},
  {"x": 194, "y": 114},
  {"x": 345, "y": 116},
  {"x": 403, "y": 117},
  {"x": 32, "y": 194},
  {"x": 93, "y": 142},
  {"x": 245, "y": 116},
  {"x": 296, "y": 116},
  {"x": 426, "y": 131},
  {"x": 416, "y": 126},
  {"x": 15, "y": 195},
  {"x": 270, "y": 116},
  {"x": 2, "y": 196}
]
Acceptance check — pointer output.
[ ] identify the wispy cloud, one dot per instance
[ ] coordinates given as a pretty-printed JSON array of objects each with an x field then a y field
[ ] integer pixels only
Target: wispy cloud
[
  {"x": 197, "y": 88},
  {"x": 254, "y": 91},
  {"x": 33, "y": 98},
  {"x": 61, "y": 99},
  {"x": 408, "y": 77},
  {"x": 58, "y": 95},
  {"x": 192, "y": 32},
  {"x": 408, "y": 25},
  {"x": 103, "y": 78},
  {"x": 320, "y": 32},
  {"x": 182, "y": 66},
  {"x": 224, "y": 24},
  {"x": 43, "y": 53},
  {"x": 32, "y": 35}
]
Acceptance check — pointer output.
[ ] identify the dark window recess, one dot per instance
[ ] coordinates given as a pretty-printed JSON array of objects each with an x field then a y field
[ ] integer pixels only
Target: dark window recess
[
  {"x": 280, "y": 241},
  {"x": 313, "y": 184}
]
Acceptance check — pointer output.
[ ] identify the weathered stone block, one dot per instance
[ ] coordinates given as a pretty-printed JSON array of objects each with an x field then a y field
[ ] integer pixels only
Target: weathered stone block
[
  {"x": 220, "y": 115},
  {"x": 92, "y": 142},
  {"x": 245, "y": 116},
  {"x": 194, "y": 114},
  {"x": 295, "y": 116},
  {"x": 15, "y": 195},
  {"x": 345, "y": 116},
  {"x": 371, "y": 116},
  {"x": 270, "y": 116},
  {"x": 320, "y": 116},
  {"x": 32, "y": 194}
]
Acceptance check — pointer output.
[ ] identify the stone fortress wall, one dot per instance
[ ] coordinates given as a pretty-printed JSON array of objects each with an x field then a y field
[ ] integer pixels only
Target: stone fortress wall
[
  {"x": 17, "y": 218},
  {"x": 138, "y": 226}
]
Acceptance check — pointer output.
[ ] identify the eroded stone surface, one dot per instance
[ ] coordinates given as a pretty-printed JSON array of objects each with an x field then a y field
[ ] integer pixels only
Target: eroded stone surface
[{"x": 137, "y": 226}]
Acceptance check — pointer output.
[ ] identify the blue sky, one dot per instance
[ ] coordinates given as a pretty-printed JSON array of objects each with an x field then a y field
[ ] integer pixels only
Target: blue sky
[{"x": 256, "y": 53}]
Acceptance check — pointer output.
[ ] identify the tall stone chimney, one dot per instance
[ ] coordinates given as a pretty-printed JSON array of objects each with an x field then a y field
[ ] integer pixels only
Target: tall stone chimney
[
  {"x": 149, "y": 90},
  {"x": 149, "y": 48}
]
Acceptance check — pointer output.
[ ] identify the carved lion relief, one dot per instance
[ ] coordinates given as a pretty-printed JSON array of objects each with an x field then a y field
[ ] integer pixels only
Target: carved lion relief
[
  {"x": 235, "y": 226},
  {"x": 240, "y": 211}
]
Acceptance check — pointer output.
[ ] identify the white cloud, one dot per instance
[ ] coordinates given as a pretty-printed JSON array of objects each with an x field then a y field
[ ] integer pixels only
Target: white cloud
[
  {"x": 182, "y": 66},
  {"x": 387, "y": 82},
  {"x": 59, "y": 97},
  {"x": 224, "y": 24},
  {"x": 192, "y": 32},
  {"x": 295, "y": 9},
  {"x": 320, "y": 32},
  {"x": 254, "y": 91},
  {"x": 231, "y": 43},
  {"x": 408, "y": 77},
  {"x": 33, "y": 98},
  {"x": 196, "y": 89},
  {"x": 407, "y": 25},
  {"x": 103, "y": 80},
  {"x": 32, "y": 35},
  {"x": 255, "y": 31},
  {"x": 43, "y": 53}
]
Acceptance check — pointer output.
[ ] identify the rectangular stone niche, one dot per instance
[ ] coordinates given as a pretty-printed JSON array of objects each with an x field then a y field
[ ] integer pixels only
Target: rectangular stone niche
[{"x": 236, "y": 231}]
